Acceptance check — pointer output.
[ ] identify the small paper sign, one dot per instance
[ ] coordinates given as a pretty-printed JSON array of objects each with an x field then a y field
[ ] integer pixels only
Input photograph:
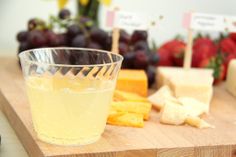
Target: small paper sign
[
  {"x": 209, "y": 22},
  {"x": 129, "y": 20}
]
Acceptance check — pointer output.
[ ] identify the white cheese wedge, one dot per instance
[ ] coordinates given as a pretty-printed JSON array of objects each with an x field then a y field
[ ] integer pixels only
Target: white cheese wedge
[
  {"x": 193, "y": 107},
  {"x": 158, "y": 98},
  {"x": 231, "y": 77},
  {"x": 165, "y": 73},
  {"x": 198, "y": 122},
  {"x": 173, "y": 113},
  {"x": 194, "y": 85}
]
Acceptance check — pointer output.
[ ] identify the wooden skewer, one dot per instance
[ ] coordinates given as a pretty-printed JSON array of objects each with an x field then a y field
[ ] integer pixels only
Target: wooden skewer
[
  {"x": 115, "y": 40},
  {"x": 188, "y": 51}
]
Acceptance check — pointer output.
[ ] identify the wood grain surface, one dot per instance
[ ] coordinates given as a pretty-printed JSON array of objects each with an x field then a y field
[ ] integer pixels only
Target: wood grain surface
[{"x": 154, "y": 140}]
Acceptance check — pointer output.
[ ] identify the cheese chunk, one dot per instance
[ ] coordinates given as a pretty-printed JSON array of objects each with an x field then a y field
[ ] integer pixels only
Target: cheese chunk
[
  {"x": 165, "y": 73},
  {"x": 193, "y": 85},
  {"x": 125, "y": 119},
  {"x": 231, "y": 78},
  {"x": 198, "y": 122},
  {"x": 158, "y": 98},
  {"x": 132, "y": 107},
  {"x": 173, "y": 113},
  {"x": 193, "y": 107},
  {"x": 133, "y": 81},
  {"x": 127, "y": 96}
]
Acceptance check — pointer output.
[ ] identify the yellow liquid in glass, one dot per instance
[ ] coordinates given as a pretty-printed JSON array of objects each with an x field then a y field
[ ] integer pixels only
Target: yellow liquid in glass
[{"x": 67, "y": 111}]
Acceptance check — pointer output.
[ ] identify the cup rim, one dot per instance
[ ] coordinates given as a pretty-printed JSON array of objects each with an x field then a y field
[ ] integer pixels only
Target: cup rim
[{"x": 21, "y": 54}]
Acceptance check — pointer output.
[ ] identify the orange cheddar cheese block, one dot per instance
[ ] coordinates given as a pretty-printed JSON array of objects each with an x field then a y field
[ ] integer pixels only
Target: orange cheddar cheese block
[
  {"x": 128, "y": 96},
  {"x": 125, "y": 119},
  {"x": 132, "y": 107},
  {"x": 133, "y": 81}
]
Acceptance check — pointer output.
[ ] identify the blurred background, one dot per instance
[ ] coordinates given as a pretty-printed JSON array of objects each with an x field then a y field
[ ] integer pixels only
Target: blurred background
[{"x": 14, "y": 15}]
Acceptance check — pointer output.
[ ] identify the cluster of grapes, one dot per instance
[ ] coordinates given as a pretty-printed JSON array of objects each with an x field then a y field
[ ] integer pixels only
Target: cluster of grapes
[
  {"x": 137, "y": 53},
  {"x": 83, "y": 33}
]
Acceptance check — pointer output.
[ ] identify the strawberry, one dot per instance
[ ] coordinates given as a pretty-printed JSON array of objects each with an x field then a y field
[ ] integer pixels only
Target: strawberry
[
  {"x": 176, "y": 47},
  {"x": 215, "y": 63},
  {"x": 227, "y": 46},
  {"x": 203, "y": 49},
  {"x": 233, "y": 36},
  {"x": 165, "y": 57}
]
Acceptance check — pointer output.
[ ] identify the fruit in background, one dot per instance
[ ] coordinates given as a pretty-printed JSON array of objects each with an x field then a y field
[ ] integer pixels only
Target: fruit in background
[
  {"x": 128, "y": 62},
  {"x": 165, "y": 57},
  {"x": 64, "y": 14},
  {"x": 37, "y": 39},
  {"x": 73, "y": 30},
  {"x": 227, "y": 46},
  {"x": 79, "y": 41},
  {"x": 176, "y": 48},
  {"x": 22, "y": 36},
  {"x": 123, "y": 48},
  {"x": 36, "y": 23},
  {"x": 233, "y": 36},
  {"x": 23, "y": 46},
  {"x": 215, "y": 63},
  {"x": 124, "y": 37},
  {"x": 139, "y": 36},
  {"x": 52, "y": 38},
  {"x": 153, "y": 59},
  {"x": 141, "y": 45},
  {"x": 141, "y": 60},
  {"x": 151, "y": 74},
  {"x": 203, "y": 48},
  {"x": 98, "y": 35},
  {"x": 94, "y": 45}
]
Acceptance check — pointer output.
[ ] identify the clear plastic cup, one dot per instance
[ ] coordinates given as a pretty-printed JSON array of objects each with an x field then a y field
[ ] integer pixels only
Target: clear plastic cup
[{"x": 69, "y": 91}]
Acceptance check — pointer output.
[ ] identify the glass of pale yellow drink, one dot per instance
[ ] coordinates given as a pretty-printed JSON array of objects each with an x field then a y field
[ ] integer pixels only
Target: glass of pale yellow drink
[{"x": 69, "y": 91}]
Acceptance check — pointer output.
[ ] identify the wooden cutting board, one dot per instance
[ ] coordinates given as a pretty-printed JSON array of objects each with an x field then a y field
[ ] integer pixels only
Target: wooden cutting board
[{"x": 154, "y": 140}]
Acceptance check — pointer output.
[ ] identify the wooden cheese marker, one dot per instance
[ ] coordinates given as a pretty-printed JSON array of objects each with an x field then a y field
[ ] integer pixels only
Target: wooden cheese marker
[{"x": 188, "y": 50}]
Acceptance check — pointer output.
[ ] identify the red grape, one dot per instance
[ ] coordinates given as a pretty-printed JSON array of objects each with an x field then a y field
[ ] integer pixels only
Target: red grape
[
  {"x": 52, "y": 38},
  {"x": 79, "y": 41},
  {"x": 141, "y": 45},
  {"x": 37, "y": 38},
  {"x": 141, "y": 60},
  {"x": 98, "y": 35},
  {"x": 94, "y": 45},
  {"x": 124, "y": 37},
  {"x": 123, "y": 48},
  {"x": 23, "y": 46},
  {"x": 22, "y": 36},
  {"x": 128, "y": 62},
  {"x": 36, "y": 23},
  {"x": 153, "y": 59},
  {"x": 64, "y": 14},
  {"x": 151, "y": 74},
  {"x": 73, "y": 30},
  {"x": 138, "y": 36}
]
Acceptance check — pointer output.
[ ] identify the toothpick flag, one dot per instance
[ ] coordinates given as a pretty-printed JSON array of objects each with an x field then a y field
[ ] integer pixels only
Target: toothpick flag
[
  {"x": 130, "y": 20},
  {"x": 209, "y": 22}
]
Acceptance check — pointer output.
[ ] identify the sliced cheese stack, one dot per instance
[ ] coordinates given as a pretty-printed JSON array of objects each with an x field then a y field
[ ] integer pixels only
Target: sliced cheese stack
[
  {"x": 231, "y": 78},
  {"x": 129, "y": 109},
  {"x": 134, "y": 81},
  {"x": 177, "y": 111},
  {"x": 194, "y": 83}
]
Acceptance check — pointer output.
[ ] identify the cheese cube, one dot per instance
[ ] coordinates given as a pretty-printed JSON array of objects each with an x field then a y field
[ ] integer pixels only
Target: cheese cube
[
  {"x": 133, "y": 81},
  {"x": 173, "y": 113},
  {"x": 165, "y": 73},
  {"x": 231, "y": 78},
  {"x": 158, "y": 98}
]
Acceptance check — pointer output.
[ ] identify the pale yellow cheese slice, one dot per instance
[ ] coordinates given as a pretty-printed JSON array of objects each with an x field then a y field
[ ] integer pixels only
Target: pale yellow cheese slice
[
  {"x": 158, "y": 98},
  {"x": 231, "y": 78},
  {"x": 173, "y": 113},
  {"x": 197, "y": 122},
  {"x": 193, "y": 107}
]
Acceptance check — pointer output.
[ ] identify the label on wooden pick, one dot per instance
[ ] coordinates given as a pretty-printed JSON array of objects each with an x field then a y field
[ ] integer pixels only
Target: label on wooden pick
[
  {"x": 209, "y": 22},
  {"x": 130, "y": 20}
]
